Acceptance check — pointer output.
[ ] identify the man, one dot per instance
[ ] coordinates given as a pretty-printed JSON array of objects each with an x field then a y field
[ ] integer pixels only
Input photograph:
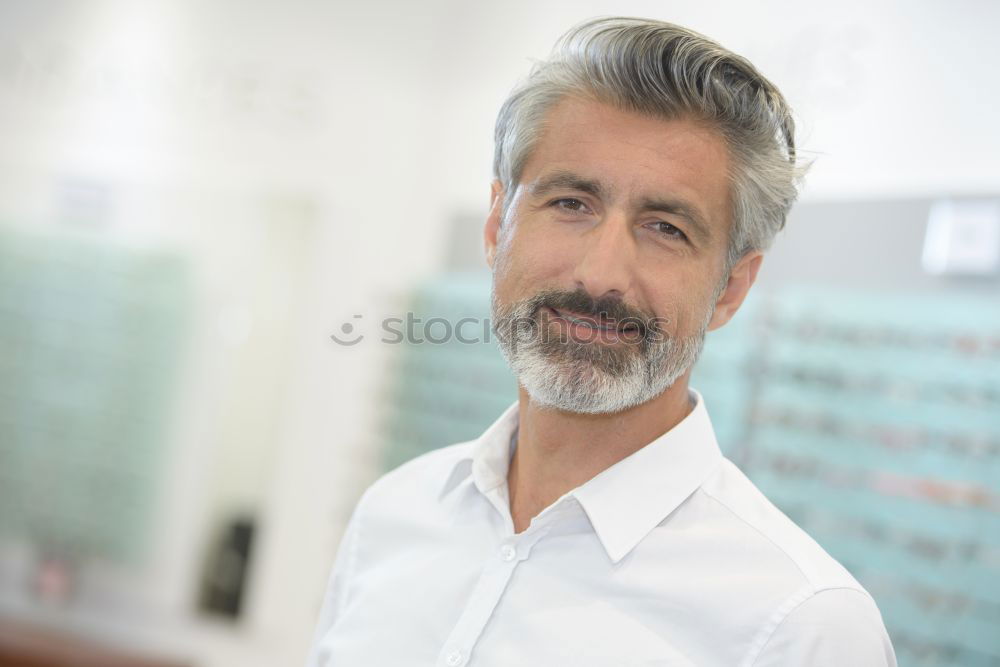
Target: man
[{"x": 641, "y": 173}]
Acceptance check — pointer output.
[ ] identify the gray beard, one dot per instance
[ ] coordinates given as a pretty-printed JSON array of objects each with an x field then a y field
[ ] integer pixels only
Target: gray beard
[{"x": 591, "y": 378}]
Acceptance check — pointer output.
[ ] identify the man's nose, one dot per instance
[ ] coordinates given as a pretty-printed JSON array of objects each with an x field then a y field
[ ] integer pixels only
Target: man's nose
[{"x": 608, "y": 261}]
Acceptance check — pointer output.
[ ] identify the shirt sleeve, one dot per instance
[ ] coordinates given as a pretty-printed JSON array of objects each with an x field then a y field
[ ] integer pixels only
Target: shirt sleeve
[
  {"x": 831, "y": 628},
  {"x": 336, "y": 588}
]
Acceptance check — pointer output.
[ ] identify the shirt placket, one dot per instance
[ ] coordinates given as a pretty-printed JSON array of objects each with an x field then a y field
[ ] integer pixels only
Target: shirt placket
[{"x": 490, "y": 587}]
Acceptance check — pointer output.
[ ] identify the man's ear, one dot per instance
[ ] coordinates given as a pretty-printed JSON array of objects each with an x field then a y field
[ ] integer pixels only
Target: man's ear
[
  {"x": 492, "y": 229},
  {"x": 741, "y": 278}
]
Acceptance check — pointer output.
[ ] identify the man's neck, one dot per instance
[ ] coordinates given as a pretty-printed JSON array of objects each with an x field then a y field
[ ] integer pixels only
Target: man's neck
[{"x": 558, "y": 451}]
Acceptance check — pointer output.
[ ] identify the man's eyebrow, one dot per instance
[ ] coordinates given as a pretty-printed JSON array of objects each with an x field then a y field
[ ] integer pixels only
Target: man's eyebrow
[
  {"x": 683, "y": 209},
  {"x": 566, "y": 180}
]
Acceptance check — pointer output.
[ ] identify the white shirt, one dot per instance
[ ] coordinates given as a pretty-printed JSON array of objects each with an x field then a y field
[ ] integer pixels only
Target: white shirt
[{"x": 670, "y": 557}]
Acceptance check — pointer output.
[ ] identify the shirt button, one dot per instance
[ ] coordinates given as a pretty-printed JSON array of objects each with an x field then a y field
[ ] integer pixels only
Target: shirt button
[
  {"x": 454, "y": 658},
  {"x": 508, "y": 553}
]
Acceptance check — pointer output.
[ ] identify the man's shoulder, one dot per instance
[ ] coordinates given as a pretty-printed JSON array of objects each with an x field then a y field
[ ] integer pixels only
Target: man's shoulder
[
  {"x": 424, "y": 474},
  {"x": 781, "y": 542},
  {"x": 830, "y": 627}
]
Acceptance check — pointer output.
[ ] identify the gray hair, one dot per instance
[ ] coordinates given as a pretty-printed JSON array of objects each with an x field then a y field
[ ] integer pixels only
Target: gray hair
[{"x": 667, "y": 71}]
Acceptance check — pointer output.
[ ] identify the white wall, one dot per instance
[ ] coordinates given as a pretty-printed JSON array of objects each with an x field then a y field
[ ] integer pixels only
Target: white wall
[{"x": 381, "y": 114}]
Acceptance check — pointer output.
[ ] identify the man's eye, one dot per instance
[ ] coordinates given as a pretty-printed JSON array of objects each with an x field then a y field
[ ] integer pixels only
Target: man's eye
[
  {"x": 570, "y": 204},
  {"x": 669, "y": 230}
]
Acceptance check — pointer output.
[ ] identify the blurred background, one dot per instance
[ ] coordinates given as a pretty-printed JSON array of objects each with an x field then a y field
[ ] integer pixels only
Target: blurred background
[{"x": 195, "y": 196}]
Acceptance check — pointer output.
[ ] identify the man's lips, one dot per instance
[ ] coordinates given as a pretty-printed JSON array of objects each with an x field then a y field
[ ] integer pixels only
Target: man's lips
[{"x": 608, "y": 325}]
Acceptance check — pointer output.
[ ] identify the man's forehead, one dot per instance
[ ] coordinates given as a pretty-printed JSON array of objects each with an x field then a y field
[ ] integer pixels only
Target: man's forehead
[{"x": 583, "y": 120}]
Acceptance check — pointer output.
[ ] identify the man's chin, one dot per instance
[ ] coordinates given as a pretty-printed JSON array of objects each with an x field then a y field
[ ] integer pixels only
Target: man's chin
[
  {"x": 577, "y": 387},
  {"x": 581, "y": 405}
]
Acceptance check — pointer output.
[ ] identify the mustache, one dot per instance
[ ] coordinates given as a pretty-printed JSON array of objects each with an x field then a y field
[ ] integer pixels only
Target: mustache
[{"x": 600, "y": 309}]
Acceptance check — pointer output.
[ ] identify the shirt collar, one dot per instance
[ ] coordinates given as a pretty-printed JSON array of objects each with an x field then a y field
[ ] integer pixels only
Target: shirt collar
[
  {"x": 486, "y": 458},
  {"x": 625, "y": 501}
]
